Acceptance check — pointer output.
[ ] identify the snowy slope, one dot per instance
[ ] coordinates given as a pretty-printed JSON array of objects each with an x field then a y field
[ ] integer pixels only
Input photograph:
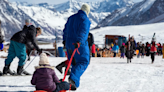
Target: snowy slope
[
  {"x": 102, "y": 75},
  {"x": 144, "y": 30}
]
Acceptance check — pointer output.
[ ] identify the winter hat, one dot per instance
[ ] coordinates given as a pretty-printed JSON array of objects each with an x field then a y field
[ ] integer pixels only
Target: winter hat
[
  {"x": 43, "y": 59},
  {"x": 27, "y": 21},
  {"x": 123, "y": 44},
  {"x": 86, "y": 8}
]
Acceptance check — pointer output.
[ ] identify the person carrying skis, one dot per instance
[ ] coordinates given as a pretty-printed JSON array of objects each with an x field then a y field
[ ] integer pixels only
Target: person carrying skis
[
  {"x": 18, "y": 48},
  {"x": 76, "y": 32},
  {"x": 44, "y": 77}
]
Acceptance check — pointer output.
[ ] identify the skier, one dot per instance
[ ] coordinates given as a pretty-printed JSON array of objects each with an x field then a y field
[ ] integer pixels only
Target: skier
[
  {"x": 129, "y": 52},
  {"x": 76, "y": 31},
  {"x": 17, "y": 48},
  {"x": 122, "y": 49},
  {"x": 153, "y": 51},
  {"x": 44, "y": 77}
]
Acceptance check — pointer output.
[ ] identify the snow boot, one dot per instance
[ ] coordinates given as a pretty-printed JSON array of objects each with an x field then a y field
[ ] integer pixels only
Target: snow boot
[
  {"x": 6, "y": 70},
  {"x": 60, "y": 66},
  {"x": 72, "y": 83},
  {"x": 21, "y": 71}
]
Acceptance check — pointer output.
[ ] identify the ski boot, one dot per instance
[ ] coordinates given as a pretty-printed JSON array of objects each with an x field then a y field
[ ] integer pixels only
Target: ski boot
[
  {"x": 21, "y": 71},
  {"x": 72, "y": 83},
  {"x": 6, "y": 70},
  {"x": 60, "y": 66}
]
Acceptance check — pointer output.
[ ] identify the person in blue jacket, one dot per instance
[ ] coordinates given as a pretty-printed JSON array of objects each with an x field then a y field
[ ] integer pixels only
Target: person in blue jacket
[
  {"x": 115, "y": 49},
  {"x": 76, "y": 31}
]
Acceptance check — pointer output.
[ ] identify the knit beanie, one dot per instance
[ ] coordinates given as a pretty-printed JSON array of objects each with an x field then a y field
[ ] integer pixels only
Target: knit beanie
[
  {"x": 43, "y": 59},
  {"x": 27, "y": 21},
  {"x": 86, "y": 8}
]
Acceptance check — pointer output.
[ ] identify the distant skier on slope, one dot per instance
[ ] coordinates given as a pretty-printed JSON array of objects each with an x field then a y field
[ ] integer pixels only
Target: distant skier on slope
[
  {"x": 76, "y": 31},
  {"x": 17, "y": 48}
]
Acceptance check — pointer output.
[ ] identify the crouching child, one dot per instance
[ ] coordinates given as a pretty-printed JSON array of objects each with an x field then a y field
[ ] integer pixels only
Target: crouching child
[{"x": 44, "y": 77}]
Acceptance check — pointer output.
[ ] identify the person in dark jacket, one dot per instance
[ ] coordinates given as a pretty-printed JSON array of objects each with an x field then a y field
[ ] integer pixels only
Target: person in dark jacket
[
  {"x": 18, "y": 48},
  {"x": 29, "y": 46},
  {"x": 123, "y": 50},
  {"x": 90, "y": 40},
  {"x": 44, "y": 77},
  {"x": 142, "y": 50},
  {"x": 147, "y": 49},
  {"x": 76, "y": 31},
  {"x": 129, "y": 52}
]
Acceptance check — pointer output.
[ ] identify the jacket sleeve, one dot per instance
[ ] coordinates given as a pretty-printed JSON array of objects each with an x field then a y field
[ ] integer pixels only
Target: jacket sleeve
[
  {"x": 32, "y": 34},
  {"x": 33, "y": 81},
  {"x": 55, "y": 78},
  {"x": 83, "y": 31}
]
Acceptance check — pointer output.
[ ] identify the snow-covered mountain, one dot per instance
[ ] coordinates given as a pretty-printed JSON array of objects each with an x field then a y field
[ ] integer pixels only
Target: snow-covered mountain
[
  {"x": 147, "y": 11},
  {"x": 52, "y": 18}
]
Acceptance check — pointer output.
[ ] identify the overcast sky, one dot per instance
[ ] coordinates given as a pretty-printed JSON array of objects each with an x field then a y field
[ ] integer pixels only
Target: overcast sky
[{"x": 56, "y": 1}]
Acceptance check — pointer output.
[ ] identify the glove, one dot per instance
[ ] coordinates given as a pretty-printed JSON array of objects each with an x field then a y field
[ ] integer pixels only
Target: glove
[
  {"x": 40, "y": 51},
  {"x": 77, "y": 45}
]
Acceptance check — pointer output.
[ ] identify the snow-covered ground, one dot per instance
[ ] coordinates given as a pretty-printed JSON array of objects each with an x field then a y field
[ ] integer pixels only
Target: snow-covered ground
[{"x": 102, "y": 75}]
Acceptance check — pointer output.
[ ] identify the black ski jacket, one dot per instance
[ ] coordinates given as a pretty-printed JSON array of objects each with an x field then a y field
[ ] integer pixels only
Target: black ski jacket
[{"x": 25, "y": 36}]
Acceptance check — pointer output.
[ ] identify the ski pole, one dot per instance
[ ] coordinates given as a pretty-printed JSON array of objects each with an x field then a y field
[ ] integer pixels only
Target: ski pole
[
  {"x": 29, "y": 63},
  {"x": 29, "y": 56}
]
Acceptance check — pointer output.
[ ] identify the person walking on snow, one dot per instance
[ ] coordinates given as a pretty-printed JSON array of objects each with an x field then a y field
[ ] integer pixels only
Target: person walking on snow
[
  {"x": 115, "y": 49},
  {"x": 129, "y": 52},
  {"x": 76, "y": 31},
  {"x": 18, "y": 48},
  {"x": 123, "y": 50},
  {"x": 44, "y": 77},
  {"x": 153, "y": 51}
]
